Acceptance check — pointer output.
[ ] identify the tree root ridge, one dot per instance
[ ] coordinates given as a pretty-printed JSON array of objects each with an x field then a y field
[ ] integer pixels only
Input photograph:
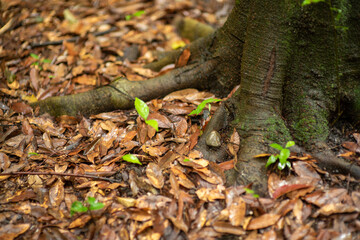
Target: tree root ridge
[
  {"x": 217, "y": 123},
  {"x": 327, "y": 160}
]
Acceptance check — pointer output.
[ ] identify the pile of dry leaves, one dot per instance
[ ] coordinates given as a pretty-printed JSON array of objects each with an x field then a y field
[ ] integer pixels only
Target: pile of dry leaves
[{"x": 48, "y": 164}]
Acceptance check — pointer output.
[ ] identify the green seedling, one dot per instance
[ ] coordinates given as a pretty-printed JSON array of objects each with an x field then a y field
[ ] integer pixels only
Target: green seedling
[
  {"x": 186, "y": 160},
  {"x": 131, "y": 158},
  {"x": 202, "y": 105},
  {"x": 307, "y": 2},
  {"x": 283, "y": 156},
  {"x": 136, "y": 14},
  {"x": 39, "y": 61},
  {"x": 91, "y": 205},
  {"x": 250, "y": 191},
  {"x": 143, "y": 111}
]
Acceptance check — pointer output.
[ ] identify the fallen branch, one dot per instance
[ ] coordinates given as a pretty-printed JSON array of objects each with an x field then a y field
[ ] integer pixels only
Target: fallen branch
[{"x": 60, "y": 174}]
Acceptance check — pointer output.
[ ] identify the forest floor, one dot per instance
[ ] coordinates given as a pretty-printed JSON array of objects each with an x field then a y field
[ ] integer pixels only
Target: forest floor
[{"x": 65, "y": 178}]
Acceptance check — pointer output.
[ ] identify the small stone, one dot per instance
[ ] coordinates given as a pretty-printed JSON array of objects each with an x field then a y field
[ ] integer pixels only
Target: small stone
[{"x": 213, "y": 139}]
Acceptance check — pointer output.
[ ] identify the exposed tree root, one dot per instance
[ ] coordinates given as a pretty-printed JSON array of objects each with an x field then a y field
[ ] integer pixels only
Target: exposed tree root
[
  {"x": 217, "y": 123},
  {"x": 328, "y": 161},
  {"x": 192, "y": 30},
  {"x": 121, "y": 93}
]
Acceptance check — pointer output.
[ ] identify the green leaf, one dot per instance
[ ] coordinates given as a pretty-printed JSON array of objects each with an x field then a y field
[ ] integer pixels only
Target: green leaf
[
  {"x": 201, "y": 106},
  {"x": 249, "y": 191},
  {"x": 93, "y": 204},
  {"x": 284, "y": 154},
  {"x": 288, "y": 164},
  {"x": 256, "y": 195},
  {"x": 186, "y": 160},
  {"x": 33, "y": 55},
  {"x": 290, "y": 144},
  {"x": 281, "y": 166},
  {"x": 77, "y": 207},
  {"x": 271, "y": 160},
  {"x": 153, "y": 123},
  {"x": 139, "y": 13},
  {"x": 45, "y": 60},
  {"x": 131, "y": 158},
  {"x": 141, "y": 108},
  {"x": 128, "y": 17},
  {"x": 276, "y": 146},
  {"x": 33, "y": 154},
  {"x": 307, "y": 2}
]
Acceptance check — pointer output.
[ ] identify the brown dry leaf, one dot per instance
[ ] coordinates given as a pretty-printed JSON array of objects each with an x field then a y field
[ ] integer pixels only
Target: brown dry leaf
[
  {"x": 22, "y": 195},
  {"x": 4, "y": 161},
  {"x": 139, "y": 215},
  {"x": 354, "y": 147},
  {"x": 181, "y": 127},
  {"x": 194, "y": 163},
  {"x": 234, "y": 143},
  {"x": 237, "y": 211},
  {"x": 189, "y": 95},
  {"x": 263, "y": 221},
  {"x": 144, "y": 72},
  {"x": 181, "y": 177},
  {"x": 210, "y": 195},
  {"x": 303, "y": 169},
  {"x": 225, "y": 227},
  {"x": 11, "y": 231},
  {"x": 179, "y": 223},
  {"x": 303, "y": 232},
  {"x": 262, "y": 155},
  {"x": 174, "y": 185},
  {"x": 227, "y": 165},
  {"x": 80, "y": 221},
  {"x": 162, "y": 120},
  {"x": 152, "y": 202},
  {"x": 194, "y": 136},
  {"x": 47, "y": 125},
  {"x": 155, "y": 175},
  {"x": 209, "y": 176},
  {"x": 183, "y": 58},
  {"x": 322, "y": 198},
  {"x": 85, "y": 80},
  {"x": 34, "y": 79},
  {"x": 56, "y": 193},
  {"x": 21, "y": 107},
  {"x": 126, "y": 202},
  {"x": 333, "y": 208},
  {"x": 154, "y": 151}
]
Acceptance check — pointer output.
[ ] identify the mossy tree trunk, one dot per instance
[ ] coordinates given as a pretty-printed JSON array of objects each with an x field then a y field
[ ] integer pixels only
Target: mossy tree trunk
[{"x": 287, "y": 61}]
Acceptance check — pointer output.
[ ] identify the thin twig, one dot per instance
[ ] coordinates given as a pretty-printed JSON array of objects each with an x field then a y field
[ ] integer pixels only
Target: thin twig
[{"x": 60, "y": 174}]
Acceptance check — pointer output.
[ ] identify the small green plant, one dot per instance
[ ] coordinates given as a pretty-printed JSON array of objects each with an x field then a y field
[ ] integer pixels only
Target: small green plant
[
  {"x": 307, "y": 2},
  {"x": 283, "y": 156},
  {"x": 39, "y": 61},
  {"x": 91, "y": 204},
  {"x": 202, "y": 105},
  {"x": 131, "y": 158},
  {"x": 250, "y": 191},
  {"x": 186, "y": 160},
  {"x": 136, "y": 14},
  {"x": 143, "y": 111}
]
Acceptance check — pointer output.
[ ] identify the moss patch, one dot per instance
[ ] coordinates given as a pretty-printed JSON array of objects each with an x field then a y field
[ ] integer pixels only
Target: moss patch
[
  {"x": 277, "y": 131},
  {"x": 311, "y": 127}
]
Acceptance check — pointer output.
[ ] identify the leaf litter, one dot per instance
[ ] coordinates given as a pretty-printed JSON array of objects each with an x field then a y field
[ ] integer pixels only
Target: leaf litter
[{"x": 48, "y": 164}]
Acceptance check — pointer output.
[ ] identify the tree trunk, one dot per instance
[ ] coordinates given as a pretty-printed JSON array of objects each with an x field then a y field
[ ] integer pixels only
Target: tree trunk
[{"x": 292, "y": 77}]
